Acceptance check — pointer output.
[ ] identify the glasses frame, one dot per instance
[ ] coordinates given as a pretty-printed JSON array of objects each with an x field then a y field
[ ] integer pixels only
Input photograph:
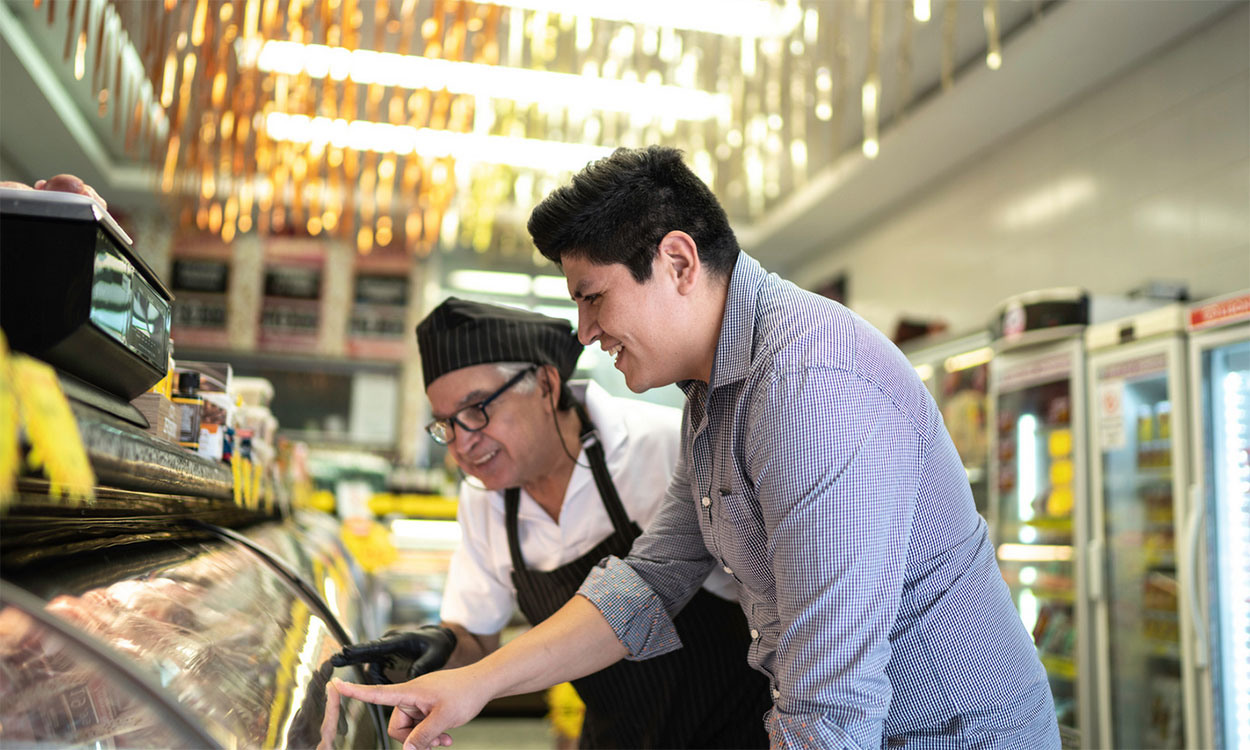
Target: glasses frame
[{"x": 447, "y": 426}]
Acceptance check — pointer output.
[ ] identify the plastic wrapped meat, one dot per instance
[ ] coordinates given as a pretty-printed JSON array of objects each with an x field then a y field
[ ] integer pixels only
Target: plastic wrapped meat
[{"x": 53, "y": 692}]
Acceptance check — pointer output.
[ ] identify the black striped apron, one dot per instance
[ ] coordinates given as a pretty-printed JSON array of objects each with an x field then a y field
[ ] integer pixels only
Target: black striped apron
[{"x": 701, "y": 696}]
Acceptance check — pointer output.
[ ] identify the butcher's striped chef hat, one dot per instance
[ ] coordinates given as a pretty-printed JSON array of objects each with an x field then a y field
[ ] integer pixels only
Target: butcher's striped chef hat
[{"x": 461, "y": 333}]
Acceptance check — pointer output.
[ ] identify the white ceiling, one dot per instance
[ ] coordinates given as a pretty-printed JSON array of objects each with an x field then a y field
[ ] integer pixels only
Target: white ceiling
[{"x": 1073, "y": 49}]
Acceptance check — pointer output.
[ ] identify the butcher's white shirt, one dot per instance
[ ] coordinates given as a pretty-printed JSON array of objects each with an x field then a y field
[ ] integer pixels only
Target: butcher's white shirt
[{"x": 641, "y": 442}]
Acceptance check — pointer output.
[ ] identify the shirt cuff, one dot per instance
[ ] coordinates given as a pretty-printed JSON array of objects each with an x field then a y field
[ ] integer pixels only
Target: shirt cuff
[
  {"x": 815, "y": 731},
  {"x": 632, "y": 609}
]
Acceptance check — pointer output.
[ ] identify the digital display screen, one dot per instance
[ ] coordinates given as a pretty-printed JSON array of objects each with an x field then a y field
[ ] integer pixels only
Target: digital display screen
[{"x": 126, "y": 307}]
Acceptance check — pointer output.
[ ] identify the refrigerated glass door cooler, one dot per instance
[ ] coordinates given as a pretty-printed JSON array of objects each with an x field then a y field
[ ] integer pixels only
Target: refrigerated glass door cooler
[
  {"x": 1037, "y": 487},
  {"x": 1218, "y": 528},
  {"x": 1137, "y": 565}
]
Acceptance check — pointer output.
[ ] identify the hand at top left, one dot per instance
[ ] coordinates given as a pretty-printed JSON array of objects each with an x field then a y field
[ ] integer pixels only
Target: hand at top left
[{"x": 65, "y": 183}]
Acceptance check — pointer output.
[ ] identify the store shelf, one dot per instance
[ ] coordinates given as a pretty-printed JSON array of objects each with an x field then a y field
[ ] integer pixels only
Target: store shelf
[
  {"x": 38, "y": 524},
  {"x": 125, "y": 457},
  {"x": 1055, "y": 595},
  {"x": 1051, "y": 525},
  {"x": 1160, "y": 559},
  {"x": 1057, "y": 666},
  {"x": 1163, "y": 649}
]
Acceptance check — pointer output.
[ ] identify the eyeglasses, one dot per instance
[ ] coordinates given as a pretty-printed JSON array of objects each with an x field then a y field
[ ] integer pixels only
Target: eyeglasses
[{"x": 472, "y": 417}]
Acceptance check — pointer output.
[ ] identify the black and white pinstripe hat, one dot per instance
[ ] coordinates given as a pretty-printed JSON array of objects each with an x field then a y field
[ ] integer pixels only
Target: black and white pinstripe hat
[{"x": 461, "y": 333}]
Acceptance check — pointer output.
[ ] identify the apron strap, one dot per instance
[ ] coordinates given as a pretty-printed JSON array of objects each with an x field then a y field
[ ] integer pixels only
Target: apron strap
[
  {"x": 511, "y": 502},
  {"x": 603, "y": 479},
  {"x": 603, "y": 482}
]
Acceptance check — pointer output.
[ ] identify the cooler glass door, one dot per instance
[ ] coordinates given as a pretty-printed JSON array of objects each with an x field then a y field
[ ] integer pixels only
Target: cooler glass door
[
  {"x": 1037, "y": 490},
  {"x": 1136, "y": 482},
  {"x": 1224, "y": 464}
]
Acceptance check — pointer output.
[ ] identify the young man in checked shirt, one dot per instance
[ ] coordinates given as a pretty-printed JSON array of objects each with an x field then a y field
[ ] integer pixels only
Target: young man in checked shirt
[{"x": 815, "y": 470}]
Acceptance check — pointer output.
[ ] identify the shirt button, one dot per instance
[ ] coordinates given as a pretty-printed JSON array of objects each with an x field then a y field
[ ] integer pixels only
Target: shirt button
[
  {"x": 776, "y": 694},
  {"x": 728, "y": 570},
  {"x": 707, "y": 501},
  {"x": 754, "y": 634}
]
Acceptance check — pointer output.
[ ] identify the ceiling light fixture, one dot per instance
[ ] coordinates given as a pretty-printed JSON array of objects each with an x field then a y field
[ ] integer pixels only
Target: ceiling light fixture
[
  {"x": 746, "y": 18},
  {"x": 491, "y": 282},
  {"x": 921, "y": 11},
  {"x": 467, "y": 148},
  {"x": 494, "y": 81}
]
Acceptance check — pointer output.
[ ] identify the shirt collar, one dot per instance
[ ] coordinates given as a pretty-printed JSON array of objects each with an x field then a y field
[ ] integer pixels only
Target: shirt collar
[{"x": 732, "y": 361}]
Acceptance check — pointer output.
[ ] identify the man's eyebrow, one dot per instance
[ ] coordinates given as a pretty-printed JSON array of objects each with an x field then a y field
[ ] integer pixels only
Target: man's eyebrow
[
  {"x": 579, "y": 290},
  {"x": 470, "y": 398}
]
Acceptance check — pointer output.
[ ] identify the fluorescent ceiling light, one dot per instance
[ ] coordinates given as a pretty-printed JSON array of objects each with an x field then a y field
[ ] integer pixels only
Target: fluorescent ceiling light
[
  {"x": 411, "y": 532},
  {"x": 490, "y": 282},
  {"x": 551, "y": 287},
  {"x": 638, "y": 98},
  {"x": 968, "y": 359},
  {"x": 467, "y": 148},
  {"x": 554, "y": 311},
  {"x": 1035, "y": 552},
  {"x": 750, "y": 18}
]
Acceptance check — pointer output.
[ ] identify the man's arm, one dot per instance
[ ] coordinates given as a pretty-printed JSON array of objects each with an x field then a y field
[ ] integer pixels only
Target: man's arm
[
  {"x": 573, "y": 642},
  {"x": 470, "y": 647}
]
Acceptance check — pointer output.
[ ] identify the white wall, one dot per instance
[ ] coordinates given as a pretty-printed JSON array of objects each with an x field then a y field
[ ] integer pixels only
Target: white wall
[{"x": 1147, "y": 178}]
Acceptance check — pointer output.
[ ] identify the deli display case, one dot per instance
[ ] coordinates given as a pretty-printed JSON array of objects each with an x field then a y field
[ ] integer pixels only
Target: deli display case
[
  {"x": 211, "y": 638},
  {"x": 164, "y": 598}
]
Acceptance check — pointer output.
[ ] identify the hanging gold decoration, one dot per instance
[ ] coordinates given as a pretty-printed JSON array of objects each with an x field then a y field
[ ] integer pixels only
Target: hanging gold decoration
[
  {"x": 411, "y": 125},
  {"x": 993, "y": 50}
]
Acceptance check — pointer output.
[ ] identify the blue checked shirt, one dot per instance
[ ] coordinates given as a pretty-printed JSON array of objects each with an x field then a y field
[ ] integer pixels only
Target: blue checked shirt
[{"x": 816, "y": 470}]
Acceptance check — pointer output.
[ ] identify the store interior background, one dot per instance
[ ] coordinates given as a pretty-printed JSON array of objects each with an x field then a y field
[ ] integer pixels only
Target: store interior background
[{"x": 1110, "y": 150}]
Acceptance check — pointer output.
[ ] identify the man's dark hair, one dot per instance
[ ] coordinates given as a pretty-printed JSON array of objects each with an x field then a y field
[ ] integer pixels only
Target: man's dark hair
[{"x": 617, "y": 210}]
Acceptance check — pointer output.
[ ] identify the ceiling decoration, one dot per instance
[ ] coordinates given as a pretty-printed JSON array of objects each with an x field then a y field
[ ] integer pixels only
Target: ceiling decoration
[{"x": 422, "y": 125}]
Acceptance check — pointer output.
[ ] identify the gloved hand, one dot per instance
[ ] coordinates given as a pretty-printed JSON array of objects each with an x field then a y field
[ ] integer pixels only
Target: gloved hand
[{"x": 425, "y": 649}]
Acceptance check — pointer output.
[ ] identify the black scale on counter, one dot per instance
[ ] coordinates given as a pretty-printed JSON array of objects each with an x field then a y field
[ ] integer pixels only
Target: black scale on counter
[{"x": 74, "y": 294}]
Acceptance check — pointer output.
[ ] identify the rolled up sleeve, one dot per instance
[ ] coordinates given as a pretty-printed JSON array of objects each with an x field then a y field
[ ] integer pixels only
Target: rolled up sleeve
[{"x": 634, "y": 611}]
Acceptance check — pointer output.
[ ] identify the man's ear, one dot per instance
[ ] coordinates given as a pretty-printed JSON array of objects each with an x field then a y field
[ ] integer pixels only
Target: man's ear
[
  {"x": 680, "y": 256},
  {"x": 546, "y": 380}
]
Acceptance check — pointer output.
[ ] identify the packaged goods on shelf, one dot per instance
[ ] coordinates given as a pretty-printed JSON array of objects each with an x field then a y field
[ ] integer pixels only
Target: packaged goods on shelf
[
  {"x": 158, "y": 410},
  {"x": 253, "y": 391}
]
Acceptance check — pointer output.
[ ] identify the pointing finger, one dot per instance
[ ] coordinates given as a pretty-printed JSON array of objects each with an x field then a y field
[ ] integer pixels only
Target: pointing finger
[{"x": 386, "y": 695}]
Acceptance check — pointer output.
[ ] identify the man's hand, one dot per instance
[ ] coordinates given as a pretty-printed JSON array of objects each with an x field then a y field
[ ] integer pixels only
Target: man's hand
[
  {"x": 425, "y": 708},
  {"x": 424, "y": 650},
  {"x": 65, "y": 183}
]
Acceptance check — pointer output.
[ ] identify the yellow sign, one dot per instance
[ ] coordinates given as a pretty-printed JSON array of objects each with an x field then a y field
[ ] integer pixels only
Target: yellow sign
[{"x": 42, "y": 411}]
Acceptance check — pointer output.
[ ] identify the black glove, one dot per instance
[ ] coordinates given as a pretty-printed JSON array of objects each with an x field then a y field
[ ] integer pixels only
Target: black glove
[{"x": 424, "y": 650}]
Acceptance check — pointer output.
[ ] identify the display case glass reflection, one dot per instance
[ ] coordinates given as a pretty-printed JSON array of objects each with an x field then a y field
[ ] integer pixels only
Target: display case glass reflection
[
  {"x": 55, "y": 693},
  {"x": 222, "y": 632}
]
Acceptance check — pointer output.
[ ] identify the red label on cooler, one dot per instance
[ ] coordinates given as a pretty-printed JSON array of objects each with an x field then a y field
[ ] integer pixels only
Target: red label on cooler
[{"x": 1220, "y": 312}]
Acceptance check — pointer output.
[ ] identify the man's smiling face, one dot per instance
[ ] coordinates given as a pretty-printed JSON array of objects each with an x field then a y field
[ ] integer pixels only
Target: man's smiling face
[{"x": 632, "y": 321}]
